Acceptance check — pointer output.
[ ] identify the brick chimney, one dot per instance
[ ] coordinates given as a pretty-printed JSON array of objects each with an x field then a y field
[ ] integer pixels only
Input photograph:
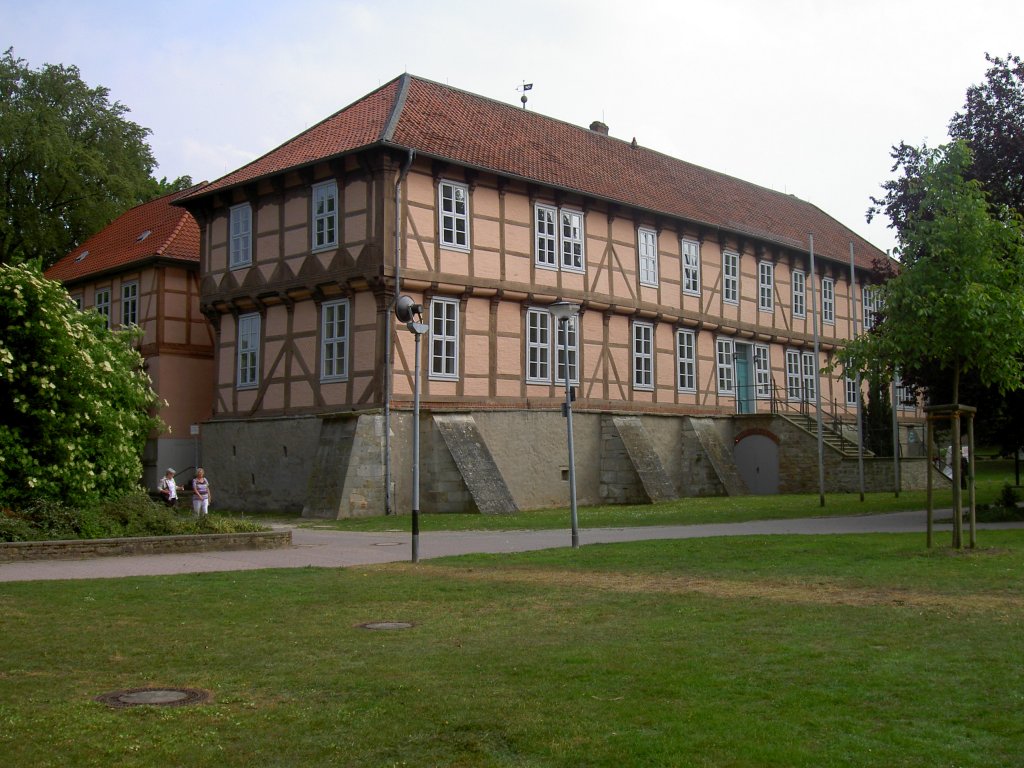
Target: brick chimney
[{"x": 598, "y": 127}]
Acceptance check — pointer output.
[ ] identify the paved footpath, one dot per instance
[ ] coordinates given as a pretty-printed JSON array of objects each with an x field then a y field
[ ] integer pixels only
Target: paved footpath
[{"x": 338, "y": 549}]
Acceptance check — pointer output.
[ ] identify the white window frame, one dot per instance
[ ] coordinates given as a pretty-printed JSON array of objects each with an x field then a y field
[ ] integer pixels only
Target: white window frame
[
  {"x": 444, "y": 339},
  {"x": 571, "y": 326},
  {"x": 453, "y": 215},
  {"x": 799, "y": 280},
  {"x": 765, "y": 286},
  {"x": 572, "y": 236},
  {"x": 77, "y": 301},
  {"x": 724, "y": 354},
  {"x": 828, "y": 301},
  {"x": 762, "y": 371},
  {"x": 546, "y": 236},
  {"x": 130, "y": 303},
  {"x": 870, "y": 304},
  {"x": 794, "y": 375},
  {"x": 559, "y": 238},
  {"x": 904, "y": 400},
  {"x": 852, "y": 393},
  {"x": 101, "y": 303},
  {"x": 240, "y": 235},
  {"x": 686, "y": 360},
  {"x": 643, "y": 356},
  {"x": 691, "y": 266},
  {"x": 647, "y": 256},
  {"x": 248, "y": 352},
  {"x": 810, "y": 376},
  {"x": 731, "y": 277},
  {"x": 334, "y": 340},
  {"x": 324, "y": 215},
  {"x": 538, "y": 346}
]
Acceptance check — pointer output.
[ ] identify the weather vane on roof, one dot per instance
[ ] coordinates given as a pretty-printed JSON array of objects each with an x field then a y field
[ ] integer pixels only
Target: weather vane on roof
[{"x": 524, "y": 88}]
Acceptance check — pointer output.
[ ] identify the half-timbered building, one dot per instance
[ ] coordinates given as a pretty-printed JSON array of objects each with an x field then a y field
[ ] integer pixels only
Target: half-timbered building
[
  {"x": 708, "y": 305},
  {"x": 143, "y": 270}
]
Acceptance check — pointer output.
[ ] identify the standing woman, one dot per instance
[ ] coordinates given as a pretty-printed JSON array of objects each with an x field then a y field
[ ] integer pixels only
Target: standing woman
[{"x": 200, "y": 493}]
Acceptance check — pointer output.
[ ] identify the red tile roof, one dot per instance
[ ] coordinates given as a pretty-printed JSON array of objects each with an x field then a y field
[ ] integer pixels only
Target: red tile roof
[
  {"x": 173, "y": 234},
  {"x": 445, "y": 123}
]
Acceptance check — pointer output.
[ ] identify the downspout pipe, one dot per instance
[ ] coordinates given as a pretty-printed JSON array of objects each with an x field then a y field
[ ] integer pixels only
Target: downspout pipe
[{"x": 390, "y": 328}]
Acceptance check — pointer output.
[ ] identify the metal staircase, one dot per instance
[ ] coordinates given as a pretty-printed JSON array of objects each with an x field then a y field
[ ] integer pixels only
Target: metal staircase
[{"x": 831, "y": 436}]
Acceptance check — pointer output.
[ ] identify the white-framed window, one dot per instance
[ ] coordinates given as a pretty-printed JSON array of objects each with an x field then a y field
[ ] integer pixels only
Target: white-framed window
[
  {"x": 723, "y": 362},
  {"x": 799, "y": 294},
  {"x": 810, "y": 374},
  {"x": 101, "y": 301},
  {"x": 241, "y": 235},
  {"x": 870, "y": 303},
  {"x": 558, "y": 231},
  {"x": 852, "y": 393},
  {"x": 543, "y": 346},
  {"x": 794, "y": 378},
  {"x": 686, "y": 361},
  {"x": 828, "y": 301},
  {"x": 538, "y": 345},
  {"x": 766, "y": 286},
  {"x": 334, "y": 325},
  {"x": 248, "y": 350},
  {"x": 568, "y": 327},
  {"x": 762, "y": 371},
  {"x": 730, "y": 277},
  {"x": 905, "y": 398},
  {"x": 325, "y": 214},
  {"x": 691, "y": 266},
  {"x": 647, "y": 252},
  {"x": 453, "y": 214},
  {"x": 572, "y": 240},
  {"x": 129, "y": 303},
  {"x": 546, "y": 236},
  {"x": 77, "y": 301},
  {"x": 643, "y": 356},
  {"x": 444, "y": 339}
]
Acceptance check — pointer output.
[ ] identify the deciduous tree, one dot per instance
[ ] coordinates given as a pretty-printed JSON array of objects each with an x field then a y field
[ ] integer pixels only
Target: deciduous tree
[{"x": 70, "y": 161}]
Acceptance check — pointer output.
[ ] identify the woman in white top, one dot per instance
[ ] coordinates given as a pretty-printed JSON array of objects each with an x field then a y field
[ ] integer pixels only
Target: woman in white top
[{"x": 200, "y": 493}]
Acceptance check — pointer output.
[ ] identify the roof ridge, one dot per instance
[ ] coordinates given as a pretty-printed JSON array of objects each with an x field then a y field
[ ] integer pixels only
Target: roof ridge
[{"x": 396, "y": 109}]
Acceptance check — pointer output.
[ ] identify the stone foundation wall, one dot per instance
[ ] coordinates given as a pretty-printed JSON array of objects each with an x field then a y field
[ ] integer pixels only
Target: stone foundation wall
[{"x": 266, "y": 465}]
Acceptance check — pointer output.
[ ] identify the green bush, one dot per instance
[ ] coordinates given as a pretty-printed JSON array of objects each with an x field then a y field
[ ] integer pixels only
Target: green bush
[
  {"x": 1004, "y": 509},
  {"x": 131, "y": 515}
]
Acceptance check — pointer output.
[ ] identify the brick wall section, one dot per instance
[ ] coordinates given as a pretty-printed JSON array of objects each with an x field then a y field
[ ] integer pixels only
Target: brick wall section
[{"x": 79, "y": 549}]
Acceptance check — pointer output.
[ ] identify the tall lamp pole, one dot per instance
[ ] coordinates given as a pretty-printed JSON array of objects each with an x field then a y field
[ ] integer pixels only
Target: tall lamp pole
[
  {"x": 565, "y": 312},
  {"x": 408, "y": 312}
]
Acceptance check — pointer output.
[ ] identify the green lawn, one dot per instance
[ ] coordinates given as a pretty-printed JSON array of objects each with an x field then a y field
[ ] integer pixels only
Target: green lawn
[
  {"x": 992, "y": 476},
  {"x": 758, "y": 651}
]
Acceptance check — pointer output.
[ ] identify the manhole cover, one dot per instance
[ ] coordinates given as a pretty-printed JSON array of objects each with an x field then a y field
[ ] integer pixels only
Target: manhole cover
[
  {"x": 385, "y": 625},
  {"x": 154, "y": 697}
]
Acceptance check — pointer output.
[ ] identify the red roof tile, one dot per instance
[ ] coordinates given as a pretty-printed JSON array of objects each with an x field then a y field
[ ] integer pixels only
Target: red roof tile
[
  {"x": 173, "y": 234},
  {"x": 460, "y": 127}
]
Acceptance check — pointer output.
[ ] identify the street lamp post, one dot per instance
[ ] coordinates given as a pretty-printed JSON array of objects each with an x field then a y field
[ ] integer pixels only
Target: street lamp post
[
  {"x": 565, "y": 312},
  {"x": 407, "y": 311}
]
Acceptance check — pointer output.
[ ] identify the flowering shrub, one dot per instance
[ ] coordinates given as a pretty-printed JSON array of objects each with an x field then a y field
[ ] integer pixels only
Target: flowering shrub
[{"x": 75, "y": 402}]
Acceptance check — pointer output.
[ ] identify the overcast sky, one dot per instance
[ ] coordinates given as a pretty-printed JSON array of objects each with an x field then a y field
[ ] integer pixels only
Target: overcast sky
[{"x": 801, "y": 96}]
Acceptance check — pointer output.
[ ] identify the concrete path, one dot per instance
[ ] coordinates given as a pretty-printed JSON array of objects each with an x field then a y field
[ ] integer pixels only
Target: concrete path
[{"x": 336, "y": 549}]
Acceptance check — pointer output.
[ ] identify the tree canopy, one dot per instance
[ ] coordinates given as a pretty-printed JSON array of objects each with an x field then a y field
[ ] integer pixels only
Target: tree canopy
[
  {"x": 70, "y": 161},
  {"x": 75, "y": 402},
  {"x": 991, "y": 123},
  {"x": 957, "y": 304}
]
